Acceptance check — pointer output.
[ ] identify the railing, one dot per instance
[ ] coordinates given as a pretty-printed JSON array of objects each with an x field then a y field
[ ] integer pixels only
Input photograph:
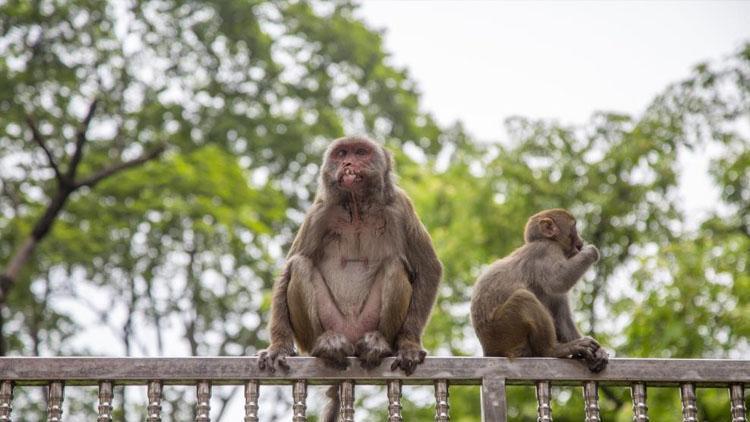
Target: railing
[{"x": 493, "y": 374}]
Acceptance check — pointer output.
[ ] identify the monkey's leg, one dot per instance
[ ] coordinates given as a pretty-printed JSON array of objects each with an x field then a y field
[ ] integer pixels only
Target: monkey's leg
[
  {"x": 303, "y": 308},
  {"x": 390, "y": 305},
  {"x": 520, "y": 327}
]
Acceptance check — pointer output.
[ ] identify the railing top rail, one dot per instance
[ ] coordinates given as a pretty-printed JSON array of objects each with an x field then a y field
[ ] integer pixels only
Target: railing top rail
[{"x": 457, "y": 370}]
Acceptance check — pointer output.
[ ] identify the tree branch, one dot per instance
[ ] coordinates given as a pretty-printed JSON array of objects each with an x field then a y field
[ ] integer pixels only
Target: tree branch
[
  {"x": 40, "y": 141},
  {"x": 81, "y": 140},
  {"x": 116, "y": 168}
]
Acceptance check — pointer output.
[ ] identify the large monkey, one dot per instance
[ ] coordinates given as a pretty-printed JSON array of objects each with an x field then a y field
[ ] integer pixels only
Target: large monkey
[
  {"x": 520, "y": 303},
  {"x": 361, "y": 275}
]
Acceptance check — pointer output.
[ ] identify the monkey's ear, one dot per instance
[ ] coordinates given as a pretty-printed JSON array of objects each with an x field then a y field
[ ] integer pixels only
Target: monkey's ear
[{"x": 548, "y": 228}]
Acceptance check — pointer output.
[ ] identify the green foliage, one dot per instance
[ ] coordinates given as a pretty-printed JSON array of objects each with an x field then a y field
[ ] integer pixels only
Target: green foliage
[{"x": 177, "y": 256}]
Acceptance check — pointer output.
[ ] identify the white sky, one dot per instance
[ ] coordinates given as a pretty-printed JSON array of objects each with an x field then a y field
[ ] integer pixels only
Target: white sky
[{"x": 483, "y": 61}]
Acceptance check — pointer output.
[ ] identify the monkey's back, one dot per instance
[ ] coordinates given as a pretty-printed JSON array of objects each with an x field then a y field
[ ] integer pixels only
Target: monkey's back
[{"x": 494, "y": 286}]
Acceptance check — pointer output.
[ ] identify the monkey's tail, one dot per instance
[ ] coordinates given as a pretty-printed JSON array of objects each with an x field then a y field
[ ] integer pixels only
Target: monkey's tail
[{"x": 331, "y": 412}]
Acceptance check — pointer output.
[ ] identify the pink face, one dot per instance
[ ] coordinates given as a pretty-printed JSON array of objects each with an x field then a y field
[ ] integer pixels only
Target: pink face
[{"x": 351, "y": 160}]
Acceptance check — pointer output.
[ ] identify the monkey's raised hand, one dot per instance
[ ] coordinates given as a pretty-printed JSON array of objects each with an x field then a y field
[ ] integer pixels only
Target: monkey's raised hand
[{"x": 275, "y": 356}]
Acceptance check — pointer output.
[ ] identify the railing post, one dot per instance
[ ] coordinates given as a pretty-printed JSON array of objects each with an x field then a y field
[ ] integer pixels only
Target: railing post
[
  {"x": 203, "y": 402},
  {"x": 251, "y": 401},
  {"x": 55, "y": 401},
  {"x": 543, "y": 398},
  {"x": 494, "y": 408},
  {"x": 154, "y": 402},
  {"x": 394, "y": 401},
  {"x": 299, "y": 396},
  {"x": 346, "y": 394},
  {"x": 6, "y": 400},
  {"x": 105, "y": 402},
  {"x": 737, "y": 396},
  {"x": 591, "y": 400},
  {"x": 640, "y": 409},
  {"x": 442, "y": 407},
  {"x": 689, "y": 407}
]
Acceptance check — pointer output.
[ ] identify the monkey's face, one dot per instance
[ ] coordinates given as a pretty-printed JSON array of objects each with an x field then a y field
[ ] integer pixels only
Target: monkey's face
[
  {"x": 574, "y": 241},
  {"x": 353, "y": 165}
]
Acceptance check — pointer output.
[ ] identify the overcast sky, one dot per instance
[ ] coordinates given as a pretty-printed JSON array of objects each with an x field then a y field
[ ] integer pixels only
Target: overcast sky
[{"x": 482, "y": 61}]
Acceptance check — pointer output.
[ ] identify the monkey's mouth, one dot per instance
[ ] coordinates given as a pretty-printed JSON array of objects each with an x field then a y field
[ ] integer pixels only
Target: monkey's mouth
[{"x": 349, "y": 177}]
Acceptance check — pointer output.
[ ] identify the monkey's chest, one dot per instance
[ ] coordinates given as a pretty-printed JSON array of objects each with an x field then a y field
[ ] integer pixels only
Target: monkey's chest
[{"x": 351, "y": 264}]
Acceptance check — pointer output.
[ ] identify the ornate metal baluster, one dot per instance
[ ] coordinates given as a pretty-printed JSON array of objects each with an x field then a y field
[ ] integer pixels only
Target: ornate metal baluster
[
  {"x": 689, "y": 407},
  {"x": 591, "y": 399},
  {"x": 346, "y": 394},
  {"x": 737, "y": 395},
  {"x": 6, "y": 400},
  {"x": 105, "y": 402},
  {"x": 542, "y": 397},
  {"x": 154, "y": 402},
  {"x": 394, "y": 401},
  {"x": 55, "y": 401},
  {"x": 299, "y": 396},
  {"x": 251, "y": 401},
  {"x": 203, "y": 402},
  {"x": 640, "y": 410},
  {"x": 442, "y": 407}
]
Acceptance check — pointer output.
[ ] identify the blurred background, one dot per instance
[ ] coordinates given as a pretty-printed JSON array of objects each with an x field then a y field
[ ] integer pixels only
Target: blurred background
[{"x": 157, "y": 157}]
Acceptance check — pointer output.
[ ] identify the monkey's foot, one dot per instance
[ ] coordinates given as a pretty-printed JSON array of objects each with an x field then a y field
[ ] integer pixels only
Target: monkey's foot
[
  {"x": 409, "y": 355},
  {"x": 599, "y": 361},
  {"x": 333, "y": 348},
  {"x": 580, "y": 348},
  {"x": 372, "y": 348},
  {"x": 275, "y": 356}
]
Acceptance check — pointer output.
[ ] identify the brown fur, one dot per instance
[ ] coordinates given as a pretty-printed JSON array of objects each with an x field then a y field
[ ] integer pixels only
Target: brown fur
[
  {"x": 361, "y": 276},
  {"x": 520, "y": 303}
]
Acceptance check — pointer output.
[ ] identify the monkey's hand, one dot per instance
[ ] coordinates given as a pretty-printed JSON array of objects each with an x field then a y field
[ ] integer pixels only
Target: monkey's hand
[
  {"x": 275, "y": 356},
  {"x": 591, "y": 252},
  {"x": 408, "y": 356}
]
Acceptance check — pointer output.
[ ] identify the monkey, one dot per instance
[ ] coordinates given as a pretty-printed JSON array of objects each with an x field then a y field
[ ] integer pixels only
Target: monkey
[
  {"x": 361, "y": 276},
  {"x": 520, "y": 307}
]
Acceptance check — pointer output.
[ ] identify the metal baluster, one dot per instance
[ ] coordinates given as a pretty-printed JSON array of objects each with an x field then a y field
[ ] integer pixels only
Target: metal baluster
[
  {"x": 346, "y": 394},
  {"x": 299, "y": 396},
  {"x": 689, "y": 407},
  {"x": 6, "y": 400},
  {"x": 640, "y": 410},
  {"x": 442, "y": 407},
  {"x": 542, "y": 397},
  {"x": 105, "y": 402},
  {"x": 251, "y": 401},
  {"x": 55, "y": 396},
  {"x": 154, "y": 402},
  {"x": 394, "y": 401},
  {"x": 203, "y": 402},
  {"x": 737, "y": 395},
  {"x": 591, "y": 399}
]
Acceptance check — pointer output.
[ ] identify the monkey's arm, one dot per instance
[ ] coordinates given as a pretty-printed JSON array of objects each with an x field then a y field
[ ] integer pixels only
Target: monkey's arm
[
  {"x": 426, "y": 272},
  {"x": 563, "y": 274}
]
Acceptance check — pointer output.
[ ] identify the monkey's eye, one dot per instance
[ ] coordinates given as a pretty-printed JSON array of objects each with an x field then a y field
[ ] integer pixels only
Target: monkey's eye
[
  {"x": 361, "y": 151},
  {"x": 341, "y": 153}
]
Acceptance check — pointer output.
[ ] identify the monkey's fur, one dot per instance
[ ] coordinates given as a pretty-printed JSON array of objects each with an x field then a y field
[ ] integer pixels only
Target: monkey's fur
[
  {"x": 520, "y": 303},
  {"x": 361, "y": 275}
]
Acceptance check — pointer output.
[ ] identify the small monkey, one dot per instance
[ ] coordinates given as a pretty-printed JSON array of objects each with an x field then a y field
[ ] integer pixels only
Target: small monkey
[
  {"x": 520, "y": 307},
  {"x": 361, "y": 275}
]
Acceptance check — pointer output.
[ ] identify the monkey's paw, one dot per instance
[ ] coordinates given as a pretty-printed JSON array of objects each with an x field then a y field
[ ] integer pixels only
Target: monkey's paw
[
  {"x": 592, "y": 251},
  {"x": 599, "y": 361},
  {"x": 372, "y": 348},
  {"x": 333, "y": 348},
  {"x": 584, "y": 348},
  {"x": 275, "y": 356},
  {"x": 408, "y": 357}
]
